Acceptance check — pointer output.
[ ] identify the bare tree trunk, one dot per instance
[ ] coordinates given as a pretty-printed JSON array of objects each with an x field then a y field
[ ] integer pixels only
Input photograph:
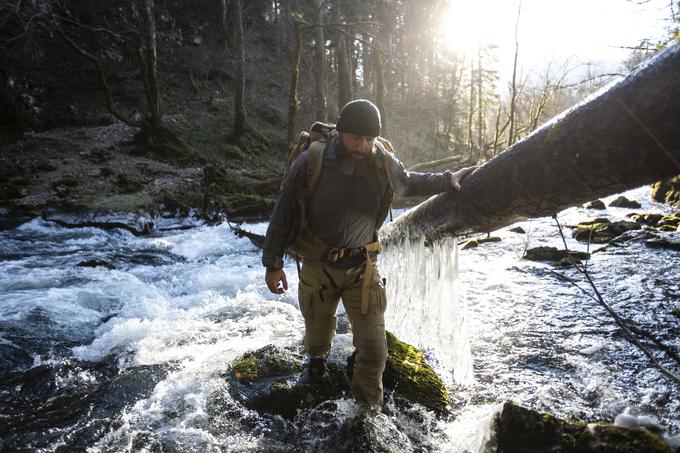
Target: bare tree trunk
[
  {"x": 480, "y": 106},
  {"x": 293, "y": 102},
  {"x": 472, "y": 108},
  {"x": 624, "y": 138},
  {"x": 151, "y": 79},
  {"x": 513, "y": 86},
  {"x": 239, "y": 95},
  {"x": 319, "y": 62},
  {"x": 342, "y": 58}
]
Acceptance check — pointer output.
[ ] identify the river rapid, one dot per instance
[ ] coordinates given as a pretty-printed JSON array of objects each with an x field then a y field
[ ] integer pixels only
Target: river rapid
[{"x": 133, "y": 358}]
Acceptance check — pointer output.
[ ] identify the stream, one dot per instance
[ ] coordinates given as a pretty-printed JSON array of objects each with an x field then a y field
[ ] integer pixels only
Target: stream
[{"x": 133, "y": 358}]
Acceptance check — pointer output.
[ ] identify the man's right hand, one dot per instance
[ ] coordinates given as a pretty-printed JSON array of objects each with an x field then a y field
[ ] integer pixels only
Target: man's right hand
[{"x": 276, "y": 281}]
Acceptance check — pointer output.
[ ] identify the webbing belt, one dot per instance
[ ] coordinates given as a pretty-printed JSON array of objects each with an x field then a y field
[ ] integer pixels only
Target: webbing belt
[{"x": 368, "y": 274}]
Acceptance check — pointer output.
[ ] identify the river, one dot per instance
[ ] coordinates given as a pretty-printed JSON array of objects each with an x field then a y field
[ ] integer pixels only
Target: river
[{"x": 132, "y": 358}]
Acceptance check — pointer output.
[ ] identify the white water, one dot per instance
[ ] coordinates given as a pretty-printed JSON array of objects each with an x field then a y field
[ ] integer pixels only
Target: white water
[{"x": 190, "y": 302}]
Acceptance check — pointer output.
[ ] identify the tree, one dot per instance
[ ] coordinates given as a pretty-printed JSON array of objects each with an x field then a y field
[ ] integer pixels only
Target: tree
[
  {"x": 239, "y": 94},
  {"x": 319, "y": 62},
  {"x": 624, "y": 138}
]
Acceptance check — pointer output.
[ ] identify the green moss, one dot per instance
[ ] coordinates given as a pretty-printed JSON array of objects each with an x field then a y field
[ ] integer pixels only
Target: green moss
[
  {"x": 106, "y": 171},
  {"x": 246, "y": 370},
  {"x": 634, "y": 439},
  {"x": 408, "y": 372},
  {"x": 233, "y": 152},
  {"x": 128, "y": 184},
  {"x": 676, "y": 312}
]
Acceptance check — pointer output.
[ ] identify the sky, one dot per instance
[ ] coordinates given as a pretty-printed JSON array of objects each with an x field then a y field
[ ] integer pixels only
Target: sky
[{"x": 581, "y": 30}]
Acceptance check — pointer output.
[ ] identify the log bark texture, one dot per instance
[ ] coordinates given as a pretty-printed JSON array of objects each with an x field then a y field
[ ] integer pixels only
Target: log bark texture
[{"x": 622, "y": 138}]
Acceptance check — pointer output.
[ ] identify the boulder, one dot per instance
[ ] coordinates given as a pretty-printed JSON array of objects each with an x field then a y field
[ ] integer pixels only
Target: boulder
[
  {"x": 553, "y": 254},
  {"x": 96, "y": 263},
  {"x": 623, "y": 202},
  {"x": 472, "y": 243},
  {"x": 600, "y": 231},
  {"x": 274, "y": 380},
  {"x": 667, "y": 191},
  {"x": 596, "y": 204},
  {"x": 409, "y": 376},
  {"x": 521, "y": 430}
]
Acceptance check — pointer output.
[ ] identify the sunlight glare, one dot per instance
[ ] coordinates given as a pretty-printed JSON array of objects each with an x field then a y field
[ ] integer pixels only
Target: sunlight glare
[{"x": 465, "y": 25}]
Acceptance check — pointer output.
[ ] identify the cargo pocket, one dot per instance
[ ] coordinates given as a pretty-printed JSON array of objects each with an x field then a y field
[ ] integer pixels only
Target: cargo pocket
[
  {"x": 305, "y": 296},
  {"x": 378, "y": 294}
]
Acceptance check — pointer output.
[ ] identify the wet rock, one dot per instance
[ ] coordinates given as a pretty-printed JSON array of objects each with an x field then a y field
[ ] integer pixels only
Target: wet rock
[
  {"x": 553, "y": 254},
  {"x": 663, "y": 244},
  {"x": 472, "y": 243},
  {"x": 521, "y": 430},
  {"x": 600, "y": 231},
  {"x": 275, "y": 381},
  {"x": 518, "y": 230},
  {"x": 667, "y": 191},
  {"x": 596, "y": 204},
  {"x": 271, "y": 380},
  {"x": 96, "y": 263},
  {"x": 623, "y": 202}
]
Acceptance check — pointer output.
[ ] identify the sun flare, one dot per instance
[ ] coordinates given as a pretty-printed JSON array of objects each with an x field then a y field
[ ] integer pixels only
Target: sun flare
[{"x": 465, "y": 25}]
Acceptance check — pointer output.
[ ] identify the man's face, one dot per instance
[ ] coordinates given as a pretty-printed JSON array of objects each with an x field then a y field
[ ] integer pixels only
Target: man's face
[{"x": 357, "y": 146}]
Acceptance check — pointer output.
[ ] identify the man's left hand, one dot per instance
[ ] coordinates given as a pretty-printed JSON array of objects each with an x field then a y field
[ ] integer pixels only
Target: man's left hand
[{"x": 458, "y": 176}]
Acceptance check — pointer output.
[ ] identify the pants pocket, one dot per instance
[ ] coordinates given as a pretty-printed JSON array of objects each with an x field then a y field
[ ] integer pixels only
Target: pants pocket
[
  {"x": 379, "y": 295},
  {"x": 305, "y": 297}
]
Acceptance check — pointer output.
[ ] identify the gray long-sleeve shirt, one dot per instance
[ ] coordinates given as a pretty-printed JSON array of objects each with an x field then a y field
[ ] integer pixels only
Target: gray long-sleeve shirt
[{"x": 344, "y": 207}]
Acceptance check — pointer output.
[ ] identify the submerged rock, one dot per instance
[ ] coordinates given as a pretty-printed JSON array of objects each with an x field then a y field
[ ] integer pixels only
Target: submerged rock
[
  {"x": 476, "y": 242},
  {"x": 521, "y": 430},
  {"x": 96, "y": 263},
  {"x": 553, "y": 254},
  {"x": 623, "y": 202},
  {"x": 596, "y": 204},
  {"x": 273, "y": 380},
  {"x": 600, "y": 231}
]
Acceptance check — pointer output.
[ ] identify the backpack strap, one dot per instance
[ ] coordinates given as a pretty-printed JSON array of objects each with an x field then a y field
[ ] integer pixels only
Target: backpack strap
[
  {"x": 382, "y": 165},
  {"x": 313, "y": 174}
]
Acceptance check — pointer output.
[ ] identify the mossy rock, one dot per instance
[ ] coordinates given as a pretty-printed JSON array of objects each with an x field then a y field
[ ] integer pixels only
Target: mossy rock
[
  {"x": 521, "y": 430},
  {"x": 271, "y": 380},
  {"x": 553, "y": 254},
  {"x": 663, "y": 244},
  {"x": 518, "y": 230},
  {"x": 645, "y": 219},
  {"x": 667, "y": 191},
  {"x": 476, "y": 242},
  {"x": 408, "y": 374},
  {"x": 623, "y": 202},
  {"x": 676, "y": 312},
  {"x": 600, "y": 231},
  {"x": 596, "y": 204},
  {"x": 274, "y": 380}
]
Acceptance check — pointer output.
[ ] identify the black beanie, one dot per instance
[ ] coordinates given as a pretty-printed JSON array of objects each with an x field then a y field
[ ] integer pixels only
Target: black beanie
[{"x": 360, "y": 117}]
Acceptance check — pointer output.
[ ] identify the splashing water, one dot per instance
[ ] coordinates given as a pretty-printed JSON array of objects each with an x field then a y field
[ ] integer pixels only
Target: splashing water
[{"x": 132, "y": 359}]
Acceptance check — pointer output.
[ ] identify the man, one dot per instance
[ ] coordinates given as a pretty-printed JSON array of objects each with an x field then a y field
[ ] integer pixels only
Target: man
[{"x": 337, "y": 239}]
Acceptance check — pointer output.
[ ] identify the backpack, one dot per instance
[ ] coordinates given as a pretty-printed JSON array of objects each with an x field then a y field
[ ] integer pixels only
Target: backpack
[{"x": 315, "y": 141}]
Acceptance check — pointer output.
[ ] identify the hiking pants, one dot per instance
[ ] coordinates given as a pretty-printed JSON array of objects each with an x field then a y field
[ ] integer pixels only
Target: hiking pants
[{"x": 320, "y": 290}]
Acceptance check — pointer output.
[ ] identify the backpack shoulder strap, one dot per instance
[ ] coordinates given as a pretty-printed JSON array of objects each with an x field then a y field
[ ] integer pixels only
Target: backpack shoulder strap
[{"x": 312, "y": 176}]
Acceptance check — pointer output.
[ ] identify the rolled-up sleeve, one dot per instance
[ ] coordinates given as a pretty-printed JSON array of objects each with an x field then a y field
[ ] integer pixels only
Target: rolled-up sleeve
[{"x": 285, "y": 217}]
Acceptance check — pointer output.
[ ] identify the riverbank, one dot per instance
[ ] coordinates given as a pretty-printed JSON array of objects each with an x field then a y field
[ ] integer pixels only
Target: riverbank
[{"x": 102, "y": 170}]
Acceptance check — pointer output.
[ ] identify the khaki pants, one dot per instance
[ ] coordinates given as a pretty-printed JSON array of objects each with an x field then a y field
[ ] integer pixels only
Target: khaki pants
[{"x": 320, "y": 289}]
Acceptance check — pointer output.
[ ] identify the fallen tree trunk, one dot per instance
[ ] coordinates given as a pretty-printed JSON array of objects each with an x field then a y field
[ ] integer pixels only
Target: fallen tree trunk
[{"x": 625, "y": 137}]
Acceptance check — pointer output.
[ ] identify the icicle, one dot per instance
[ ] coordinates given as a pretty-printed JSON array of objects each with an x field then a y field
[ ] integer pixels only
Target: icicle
[{"x": 425, "y": 307}]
